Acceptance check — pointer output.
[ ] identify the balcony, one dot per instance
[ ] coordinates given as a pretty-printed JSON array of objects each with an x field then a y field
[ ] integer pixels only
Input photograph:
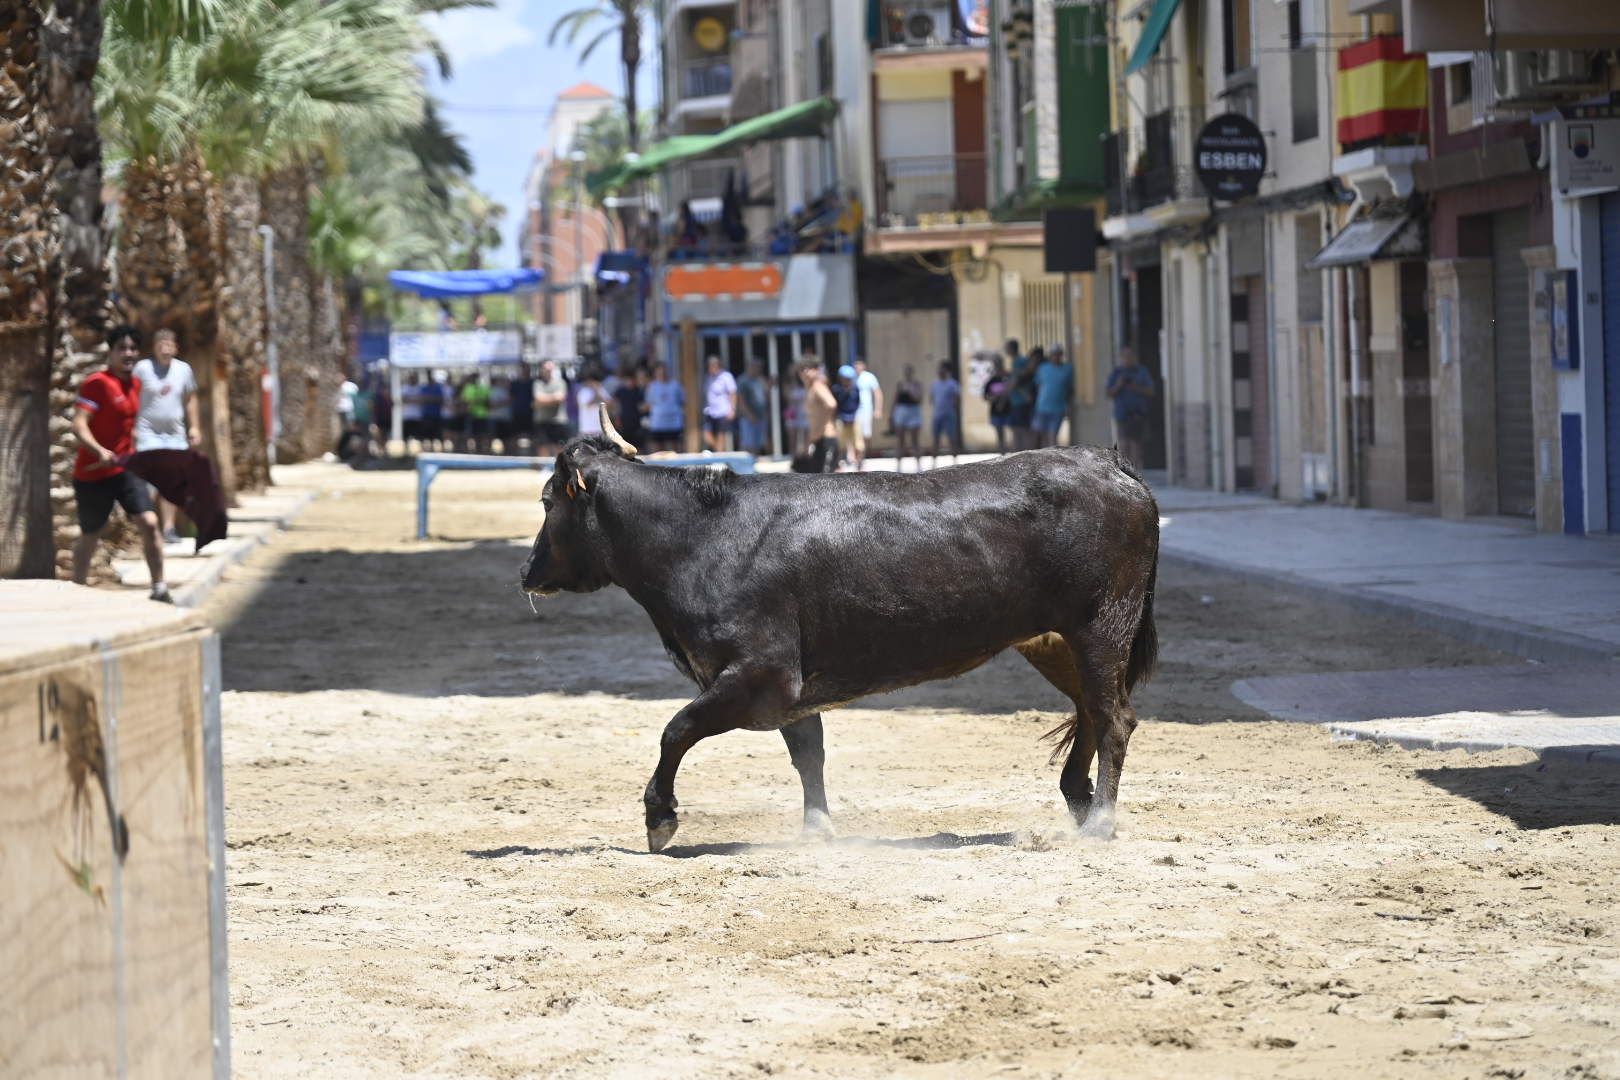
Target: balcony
[
  {"x": 1158, "y": 186},
  {"x": 703, "y": 179},
  {"x": 709, "y": 77},
  {"x": 936, "y": 191}
]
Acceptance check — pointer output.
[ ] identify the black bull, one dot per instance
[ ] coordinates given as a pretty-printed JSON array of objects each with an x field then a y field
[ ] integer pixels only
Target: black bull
[{"x": 785, "y": 595}]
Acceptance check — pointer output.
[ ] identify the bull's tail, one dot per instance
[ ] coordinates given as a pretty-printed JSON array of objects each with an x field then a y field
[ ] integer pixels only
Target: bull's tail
[{"x": 1145, "y": 645}]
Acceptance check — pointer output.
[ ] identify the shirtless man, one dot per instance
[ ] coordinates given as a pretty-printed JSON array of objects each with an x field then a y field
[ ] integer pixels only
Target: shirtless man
[{"x": 822, "y": 409}]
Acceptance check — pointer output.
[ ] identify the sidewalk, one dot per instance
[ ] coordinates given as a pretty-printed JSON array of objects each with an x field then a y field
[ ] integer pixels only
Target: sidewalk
[
  {"x": 1554, "y": 600},
  {"x": 192, "y": 576},
  {"x": 1498, "y": 584}
]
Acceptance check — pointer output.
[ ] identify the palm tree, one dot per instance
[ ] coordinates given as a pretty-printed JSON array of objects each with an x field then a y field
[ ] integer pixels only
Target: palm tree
[
  {"x": 28, "y": 275},
  {"x": 622, "y": 17}
]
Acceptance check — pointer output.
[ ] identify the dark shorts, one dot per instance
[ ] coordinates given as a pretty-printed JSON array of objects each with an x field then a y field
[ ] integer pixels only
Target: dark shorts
[
  {"x": 1049, "y": 422},
  {"x": 553, "y": 431},
  {"x": 1021, "y": 416},
  {"x": 717, "y": 425},
  {"x": 944, "y": 426},
  {"x": 96, "y": 498},
  {"x": 1133, "y": 427},
  {"x": 657, "y": 436}
]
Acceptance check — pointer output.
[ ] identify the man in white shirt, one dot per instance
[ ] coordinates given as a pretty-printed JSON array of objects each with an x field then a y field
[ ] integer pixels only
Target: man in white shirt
[
  {"x": 168, "y": 416},
  {"x": 871, "y": 408}
]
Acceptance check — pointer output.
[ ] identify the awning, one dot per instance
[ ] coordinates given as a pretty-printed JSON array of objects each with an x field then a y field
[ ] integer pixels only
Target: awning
[
  {"x": 1153, "y": 31},
  {"x": 807, "y": 119},
  {"x": 619, "y": 266},
  {"x": 1397, "y": 236},
  {"x": 448, "y": 284}
]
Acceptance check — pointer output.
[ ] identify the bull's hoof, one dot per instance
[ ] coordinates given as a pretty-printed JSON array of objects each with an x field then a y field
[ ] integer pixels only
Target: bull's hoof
[
  {"x": 1079, "y": 810},
  {"x": 1098, "y": 826},
  {"x": 818, "y": 827},
  {"x": 660, "y": 833}
]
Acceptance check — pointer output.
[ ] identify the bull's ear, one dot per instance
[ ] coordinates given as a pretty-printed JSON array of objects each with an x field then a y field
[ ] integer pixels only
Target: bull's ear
[{"x": 576, "y": 481}]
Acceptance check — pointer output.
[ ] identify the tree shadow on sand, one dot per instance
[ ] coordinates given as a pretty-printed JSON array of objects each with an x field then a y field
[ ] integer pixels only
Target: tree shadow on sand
[{"x": 943, "y": 841}]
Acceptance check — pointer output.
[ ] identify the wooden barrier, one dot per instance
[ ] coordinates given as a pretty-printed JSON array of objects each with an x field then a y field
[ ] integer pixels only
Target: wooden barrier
[{"x": 112, "y": 899}]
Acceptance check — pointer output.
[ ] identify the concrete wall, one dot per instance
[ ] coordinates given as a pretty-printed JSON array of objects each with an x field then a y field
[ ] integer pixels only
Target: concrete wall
[{"x": 1544, "y": 395}]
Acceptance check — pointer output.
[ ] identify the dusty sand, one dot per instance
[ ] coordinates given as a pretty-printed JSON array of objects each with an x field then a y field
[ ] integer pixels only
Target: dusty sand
[{"x": 437, "y": 868}]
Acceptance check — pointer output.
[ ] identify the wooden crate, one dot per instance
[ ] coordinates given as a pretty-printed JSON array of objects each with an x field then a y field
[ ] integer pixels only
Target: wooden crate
[{"x": 112, "y": 892}]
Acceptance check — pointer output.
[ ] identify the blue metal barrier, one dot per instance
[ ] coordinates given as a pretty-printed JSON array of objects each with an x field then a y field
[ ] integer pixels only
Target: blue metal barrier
[{"x": 428, "y": 467}]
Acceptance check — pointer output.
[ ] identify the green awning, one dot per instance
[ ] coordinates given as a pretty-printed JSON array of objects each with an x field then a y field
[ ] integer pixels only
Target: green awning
[
  {"x": 806, "y": 119},
  {"x": 1158, "y": 21}
]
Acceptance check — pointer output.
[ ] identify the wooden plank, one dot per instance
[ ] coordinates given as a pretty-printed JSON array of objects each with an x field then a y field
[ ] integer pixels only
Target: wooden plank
[
  {"x": 110, "y": 959},
  {"x": 45, "y": 622}
]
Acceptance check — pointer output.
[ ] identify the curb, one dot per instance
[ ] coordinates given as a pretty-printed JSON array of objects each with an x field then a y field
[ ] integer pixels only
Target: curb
[
  {"x": 193, "y": 593},
  {"x": 1503, "y": 635},
  {"x": 1578, "y": 756}
]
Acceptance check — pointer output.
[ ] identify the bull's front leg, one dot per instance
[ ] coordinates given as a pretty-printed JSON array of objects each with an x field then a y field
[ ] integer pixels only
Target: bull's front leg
[
  {"x": 736, "y": 699},
  {"x": 804, "y": 744}
]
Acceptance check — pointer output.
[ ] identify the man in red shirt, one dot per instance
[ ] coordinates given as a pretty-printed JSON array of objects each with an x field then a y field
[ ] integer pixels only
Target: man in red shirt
[{"x": 104, "y": 422}]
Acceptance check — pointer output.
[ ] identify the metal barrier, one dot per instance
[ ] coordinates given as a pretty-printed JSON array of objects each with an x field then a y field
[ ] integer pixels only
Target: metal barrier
[{"x": 428, "y": 467}]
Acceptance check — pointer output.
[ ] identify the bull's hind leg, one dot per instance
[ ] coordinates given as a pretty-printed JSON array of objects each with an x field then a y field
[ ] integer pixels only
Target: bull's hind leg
[
  {"x": 1050, "y": 655},
  {"x": 1101, "y": 653},
  {"x": 736, "y": 699},
  {"x": 803, "y": 738}
]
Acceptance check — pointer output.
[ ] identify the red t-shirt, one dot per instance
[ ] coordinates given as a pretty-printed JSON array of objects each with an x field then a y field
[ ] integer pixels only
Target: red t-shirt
[{"x": 112, "y": 406}]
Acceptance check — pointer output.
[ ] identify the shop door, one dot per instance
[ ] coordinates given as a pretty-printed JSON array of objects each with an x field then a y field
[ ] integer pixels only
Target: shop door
[
  {"x": 1515, "y": 421},
  {"x": 1149, "y": 322},
  {"x": 1609, "y": 216}
]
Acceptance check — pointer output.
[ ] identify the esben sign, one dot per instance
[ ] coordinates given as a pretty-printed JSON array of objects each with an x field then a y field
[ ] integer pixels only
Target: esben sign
[{"x": 1230, "y": 157}]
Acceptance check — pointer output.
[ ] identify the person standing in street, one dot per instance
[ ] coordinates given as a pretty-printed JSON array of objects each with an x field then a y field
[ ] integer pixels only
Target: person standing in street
[
  {"x": 588, "y": 395},
  {"x": 754, "y": 408},
  {"x": 629, "y": 404},
  {"x": 666, "y": 410},
  {"x": 996, "y": 387},
  {"x": 168, "y": 416},
  {"x": 719, "y": 405},
  {"x": 550, "y": 398},
  {"x": 475, "y": 412},
  {"x": 946, "y": 397},
  {"x": 822, "y": 410},
  {"x": 1021, "y": 395},
  {"x": 104, "y": 416},
  {"x": 522, "y": 390},
  {"x": 907, "y": 416},
  {"x": 871, "y": 409},
  {"x": 1130, "y": 386},
  {"x": 848, "y": 398},
  {"x": 1054, "y": 385}
]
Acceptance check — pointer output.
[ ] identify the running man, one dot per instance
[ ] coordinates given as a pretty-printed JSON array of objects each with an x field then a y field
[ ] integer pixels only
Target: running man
[
  {"x": 104, "y": 423},
  {"x": 168, "y": 416}
]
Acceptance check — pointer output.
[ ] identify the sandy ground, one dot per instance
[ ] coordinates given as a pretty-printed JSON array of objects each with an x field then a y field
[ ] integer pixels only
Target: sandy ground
[{"x": 437, "y": 860}]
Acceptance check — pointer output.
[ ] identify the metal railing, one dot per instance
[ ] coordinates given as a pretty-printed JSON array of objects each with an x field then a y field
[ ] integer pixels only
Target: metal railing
[
  {"x": 931, "y": 191},
  {"x": 706, "y": 78},
  {"x": 1153, "y": 164}
]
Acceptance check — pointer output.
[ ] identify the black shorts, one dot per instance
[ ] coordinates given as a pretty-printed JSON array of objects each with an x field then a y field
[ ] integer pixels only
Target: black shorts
[
  {"x": 717, "y": 425},
  {"x": 1133, "y": 427},
  {"x": 822, "y": 457},
  {"x": 654, "y": 435},
  {"x": 95, "y": 499},
  {"x": 553, "y": 432}
]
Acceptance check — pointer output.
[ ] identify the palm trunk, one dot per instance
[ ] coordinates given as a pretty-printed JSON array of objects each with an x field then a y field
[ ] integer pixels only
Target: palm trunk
[
  {"x": 148, "y": 284},
  {"x": 330, "y": 345},
  {"x": 73, "y": 43},
  {"x": 28, "y": 284},
  {"x": 197, "y": 209},
  {"x": 241, "y": 330},
  {"x": 286, "y": 210}
]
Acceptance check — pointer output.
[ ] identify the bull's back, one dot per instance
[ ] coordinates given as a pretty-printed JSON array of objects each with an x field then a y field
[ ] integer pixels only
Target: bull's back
[{"x": 900, "y": 580}]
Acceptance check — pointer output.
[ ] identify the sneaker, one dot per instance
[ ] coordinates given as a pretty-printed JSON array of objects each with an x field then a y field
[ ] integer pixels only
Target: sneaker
[
  {"x": 171, "y": 536},
  {"x": 161, "y": 593}
]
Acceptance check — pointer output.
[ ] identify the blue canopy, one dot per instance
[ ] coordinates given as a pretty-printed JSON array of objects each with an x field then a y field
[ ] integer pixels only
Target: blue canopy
[{"x": 444, "y": 284}]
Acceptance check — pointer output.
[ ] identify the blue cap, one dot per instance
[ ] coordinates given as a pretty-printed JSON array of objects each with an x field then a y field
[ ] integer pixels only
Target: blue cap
[{"x": 847, "y": 371}]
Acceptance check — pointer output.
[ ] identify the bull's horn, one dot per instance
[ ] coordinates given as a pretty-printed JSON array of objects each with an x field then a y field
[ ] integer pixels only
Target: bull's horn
[{"x": 613, "y": 433}]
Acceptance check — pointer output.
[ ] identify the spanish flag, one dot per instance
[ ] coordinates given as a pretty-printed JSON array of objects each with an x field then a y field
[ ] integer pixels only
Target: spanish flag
[{"x": 1383, "y": 91}]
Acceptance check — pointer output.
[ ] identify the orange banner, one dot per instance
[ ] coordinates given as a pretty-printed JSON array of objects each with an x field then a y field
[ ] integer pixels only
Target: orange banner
[{"x": 703, "y": 281}]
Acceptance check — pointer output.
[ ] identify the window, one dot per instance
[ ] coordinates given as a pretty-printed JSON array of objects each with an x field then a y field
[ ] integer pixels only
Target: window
[
  {"x": 1235, "y": 33},
  {"x": 1307, "y": 242},
  {"x": 1460, "y": 84},
  {"x": 1302, "y": 76}
]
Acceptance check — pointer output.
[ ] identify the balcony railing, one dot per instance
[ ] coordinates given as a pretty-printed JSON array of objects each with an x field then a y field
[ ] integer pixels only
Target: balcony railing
[
  {"x": 706, "y": 78},
  {"x": 1153, "y": 164},
  {"x": 922, "y": 192}
]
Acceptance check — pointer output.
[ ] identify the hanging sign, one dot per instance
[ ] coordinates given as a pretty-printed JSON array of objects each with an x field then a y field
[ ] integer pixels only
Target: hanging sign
[{"x": 1230, "y": 157}]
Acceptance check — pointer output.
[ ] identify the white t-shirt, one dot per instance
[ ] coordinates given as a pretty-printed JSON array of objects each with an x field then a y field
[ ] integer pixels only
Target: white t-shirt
[
  {"x": 161, "y": 423},
  {"x": 590, "y": 417}
]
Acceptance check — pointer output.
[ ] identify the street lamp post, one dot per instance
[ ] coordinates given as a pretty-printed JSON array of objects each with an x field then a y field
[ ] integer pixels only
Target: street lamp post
[{"x": 578, "y": 158}]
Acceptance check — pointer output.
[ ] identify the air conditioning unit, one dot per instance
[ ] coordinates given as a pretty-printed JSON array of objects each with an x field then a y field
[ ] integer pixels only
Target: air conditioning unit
[
  {"x": 927, "y": 24},
  {"x": 1513, "y": 77},
  {"x": 1566, "y": 69}
]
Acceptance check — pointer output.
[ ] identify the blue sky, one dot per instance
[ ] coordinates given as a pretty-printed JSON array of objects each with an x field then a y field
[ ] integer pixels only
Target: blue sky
[{"x": 505, "y": 81}]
